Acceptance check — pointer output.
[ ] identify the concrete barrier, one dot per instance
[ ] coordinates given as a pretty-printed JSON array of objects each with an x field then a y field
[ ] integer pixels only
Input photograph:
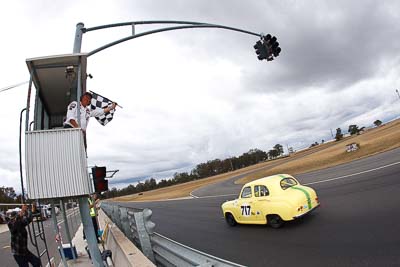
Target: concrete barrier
[{"x": 124, "y": 252}]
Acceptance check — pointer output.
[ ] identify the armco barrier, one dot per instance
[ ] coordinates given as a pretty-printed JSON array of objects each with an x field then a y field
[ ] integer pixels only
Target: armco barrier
[
  {"x": 124, "y": 252},
  {"x": 137, "y": 226}
]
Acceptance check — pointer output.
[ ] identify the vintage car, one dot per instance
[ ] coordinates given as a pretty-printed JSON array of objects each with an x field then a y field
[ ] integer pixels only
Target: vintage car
[{"x": 271, "y": 200}]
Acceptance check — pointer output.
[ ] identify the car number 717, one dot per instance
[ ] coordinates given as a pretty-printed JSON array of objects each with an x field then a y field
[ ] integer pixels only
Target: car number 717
[{"x": 245, "y": 210}]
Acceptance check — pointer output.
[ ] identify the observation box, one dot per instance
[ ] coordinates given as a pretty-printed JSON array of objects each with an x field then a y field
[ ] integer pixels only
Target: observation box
[{"x": 56, "y": 164}]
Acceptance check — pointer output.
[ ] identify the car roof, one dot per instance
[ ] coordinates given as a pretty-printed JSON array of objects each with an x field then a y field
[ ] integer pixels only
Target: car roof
[{"x": 269, "y": 180}]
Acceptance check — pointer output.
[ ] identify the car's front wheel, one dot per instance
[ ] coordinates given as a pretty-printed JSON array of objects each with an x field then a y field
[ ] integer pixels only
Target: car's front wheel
[
  {"x": 230, "y": 220},
  {"x": 274, "y": 220}
]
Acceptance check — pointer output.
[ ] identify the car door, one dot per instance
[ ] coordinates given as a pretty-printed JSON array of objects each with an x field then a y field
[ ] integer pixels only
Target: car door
[
  {"x": 246, "y": 206},
  {"x": 261, "y": 203}
]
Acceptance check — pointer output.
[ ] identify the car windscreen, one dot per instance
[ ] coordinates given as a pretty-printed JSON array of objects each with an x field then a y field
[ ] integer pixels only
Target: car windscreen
[{"x": 246, "y": 192}]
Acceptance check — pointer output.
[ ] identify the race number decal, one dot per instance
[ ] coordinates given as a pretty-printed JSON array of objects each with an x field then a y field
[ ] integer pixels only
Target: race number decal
[{"x": 245, "y": 210}]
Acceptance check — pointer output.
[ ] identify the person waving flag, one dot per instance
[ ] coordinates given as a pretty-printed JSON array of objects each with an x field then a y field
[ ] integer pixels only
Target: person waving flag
[{"x": 101, "y": 102}]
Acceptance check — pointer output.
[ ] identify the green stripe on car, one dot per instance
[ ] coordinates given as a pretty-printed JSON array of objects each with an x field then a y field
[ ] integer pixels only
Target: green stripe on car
[{"x": 305, "y": 193}]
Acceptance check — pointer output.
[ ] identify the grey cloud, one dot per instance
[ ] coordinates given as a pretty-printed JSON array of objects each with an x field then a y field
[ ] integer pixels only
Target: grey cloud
[{"x": 335, "y": 54}]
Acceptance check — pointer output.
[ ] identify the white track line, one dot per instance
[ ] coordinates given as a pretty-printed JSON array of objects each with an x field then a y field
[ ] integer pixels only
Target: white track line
[
  {"x": 354, "y": 174},
  {"x": 318, "y": 182},
  {"x": 193, "y": 196},
  {"x": 227, "y": 195}
]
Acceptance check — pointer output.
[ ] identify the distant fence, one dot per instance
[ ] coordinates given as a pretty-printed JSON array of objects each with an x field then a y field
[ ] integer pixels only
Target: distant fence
[{"x": 137, "y": 226}]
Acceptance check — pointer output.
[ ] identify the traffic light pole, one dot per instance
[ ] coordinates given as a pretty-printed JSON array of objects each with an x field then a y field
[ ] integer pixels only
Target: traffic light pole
[
  {"x": 188, "y": 25},
  {"x": 77, "y": 49},
  {"x": 90, "y": 235},
  {"x": 88, "y": 228}
]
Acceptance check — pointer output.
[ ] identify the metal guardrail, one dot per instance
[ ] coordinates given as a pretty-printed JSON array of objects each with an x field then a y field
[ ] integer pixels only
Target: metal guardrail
[{"x": 137, "y": 226}]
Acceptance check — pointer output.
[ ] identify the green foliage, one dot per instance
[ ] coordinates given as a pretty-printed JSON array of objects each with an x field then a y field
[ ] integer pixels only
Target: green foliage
[
  {"x": 273, "y": 153},
  {"x": 353, "y": 129},
  {"x": 339, "y": 134},
  {"x": 279, "y": 148},
  {"x": 8, "y": 195},
  {"x": 377, "y": 123}
]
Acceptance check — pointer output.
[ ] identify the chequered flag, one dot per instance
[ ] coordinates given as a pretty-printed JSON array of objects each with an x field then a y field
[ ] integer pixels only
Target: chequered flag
[{"x": 100, "y": 102}]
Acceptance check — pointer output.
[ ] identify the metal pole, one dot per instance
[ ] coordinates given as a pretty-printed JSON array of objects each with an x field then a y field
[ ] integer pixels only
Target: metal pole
[
  {"x": 168, "y": 29},
  {"x": 30, "y": 125},
  {"x": 78, "y": 95},
  {"x": 20, "y": 135},
  {"x": 71, "y": 221},
  {"x": 77, "y": 49},
  {"x": 78, "y": 38},
  {"x": 76, "y": 217},
  {"x": 28, "y": 103},
  {"x": 89, "y": 232},
  {"x": 20, "y": 157},
  {"x": 67, "y": 228},
  {"x": 57, "y": 232}
]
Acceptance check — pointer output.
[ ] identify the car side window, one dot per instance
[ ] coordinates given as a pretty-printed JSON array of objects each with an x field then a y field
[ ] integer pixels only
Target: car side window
[
  {"x": 288, "y": 182},
  {"x": 257, "y": 191},
  {"x": 246, "y": 192},
  {"x": 261, "y": 191}
]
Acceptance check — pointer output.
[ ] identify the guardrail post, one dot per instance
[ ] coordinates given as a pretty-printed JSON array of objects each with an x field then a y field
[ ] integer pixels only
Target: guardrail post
[
  {"x": 118, "y": 222},
  {"x": 145, "y": 228},
  {"x": 132, "y": 227},
  {"x": 114, "y": 215},
  {"x": 125, "y": 223}
]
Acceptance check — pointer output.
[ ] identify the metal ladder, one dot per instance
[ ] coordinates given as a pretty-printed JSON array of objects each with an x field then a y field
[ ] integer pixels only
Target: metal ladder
[{"x": 34, "y": 233}]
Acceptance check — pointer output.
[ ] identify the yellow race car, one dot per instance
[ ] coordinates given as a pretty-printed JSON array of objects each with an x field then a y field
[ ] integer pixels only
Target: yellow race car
[{"x": 271, "y": 200}]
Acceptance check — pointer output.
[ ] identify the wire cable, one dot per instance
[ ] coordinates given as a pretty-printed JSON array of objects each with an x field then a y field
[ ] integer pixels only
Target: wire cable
[{"x": 12, "y": 86}]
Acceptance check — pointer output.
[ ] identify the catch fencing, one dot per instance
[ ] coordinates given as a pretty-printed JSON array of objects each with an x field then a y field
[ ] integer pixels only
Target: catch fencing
[{"x": 137, "y": 226}]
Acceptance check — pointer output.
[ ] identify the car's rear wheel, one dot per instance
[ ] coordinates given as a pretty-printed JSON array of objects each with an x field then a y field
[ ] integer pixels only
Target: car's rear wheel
[
  {"x": 230, "y": 220},
  {"x": 274, "y": 220}
]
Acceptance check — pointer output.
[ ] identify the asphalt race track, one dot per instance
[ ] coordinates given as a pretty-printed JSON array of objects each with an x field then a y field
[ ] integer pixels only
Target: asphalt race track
[{"x": 357, "y": 224}]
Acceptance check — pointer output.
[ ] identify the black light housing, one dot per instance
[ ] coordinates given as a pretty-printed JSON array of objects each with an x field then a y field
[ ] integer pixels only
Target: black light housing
[
  {"x": 100, "y": 183},
  {"x": 267, "y": 47}
]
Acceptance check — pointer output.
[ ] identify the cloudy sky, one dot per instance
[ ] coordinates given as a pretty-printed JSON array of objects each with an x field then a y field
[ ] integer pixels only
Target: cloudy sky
[{"x": 189, "y": 96}]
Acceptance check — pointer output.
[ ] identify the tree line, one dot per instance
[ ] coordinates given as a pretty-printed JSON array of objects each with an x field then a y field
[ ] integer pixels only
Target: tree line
[
  {"x": 201, "y": 171},
  {"x": 8, "y": 195},
  {"x": 354, "y": 129}
]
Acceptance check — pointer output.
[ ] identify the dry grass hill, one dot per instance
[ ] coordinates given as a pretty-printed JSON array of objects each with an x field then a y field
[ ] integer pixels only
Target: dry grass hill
[{"x": 373, "y": 141}]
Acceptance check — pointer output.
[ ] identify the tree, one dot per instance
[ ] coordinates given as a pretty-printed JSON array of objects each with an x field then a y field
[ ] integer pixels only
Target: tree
[
  {"x": 353, "y": 129},
  {"x": 377, "y": 123},
  {"x": 279, "y": 148},
  {"x": 273, "y": 153},
  {"x": 7, "y": 195},
  {"x": 314, "y": 144},
  {"x": 339, "y": 134},
  {"x": 150, "y": 184}
]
